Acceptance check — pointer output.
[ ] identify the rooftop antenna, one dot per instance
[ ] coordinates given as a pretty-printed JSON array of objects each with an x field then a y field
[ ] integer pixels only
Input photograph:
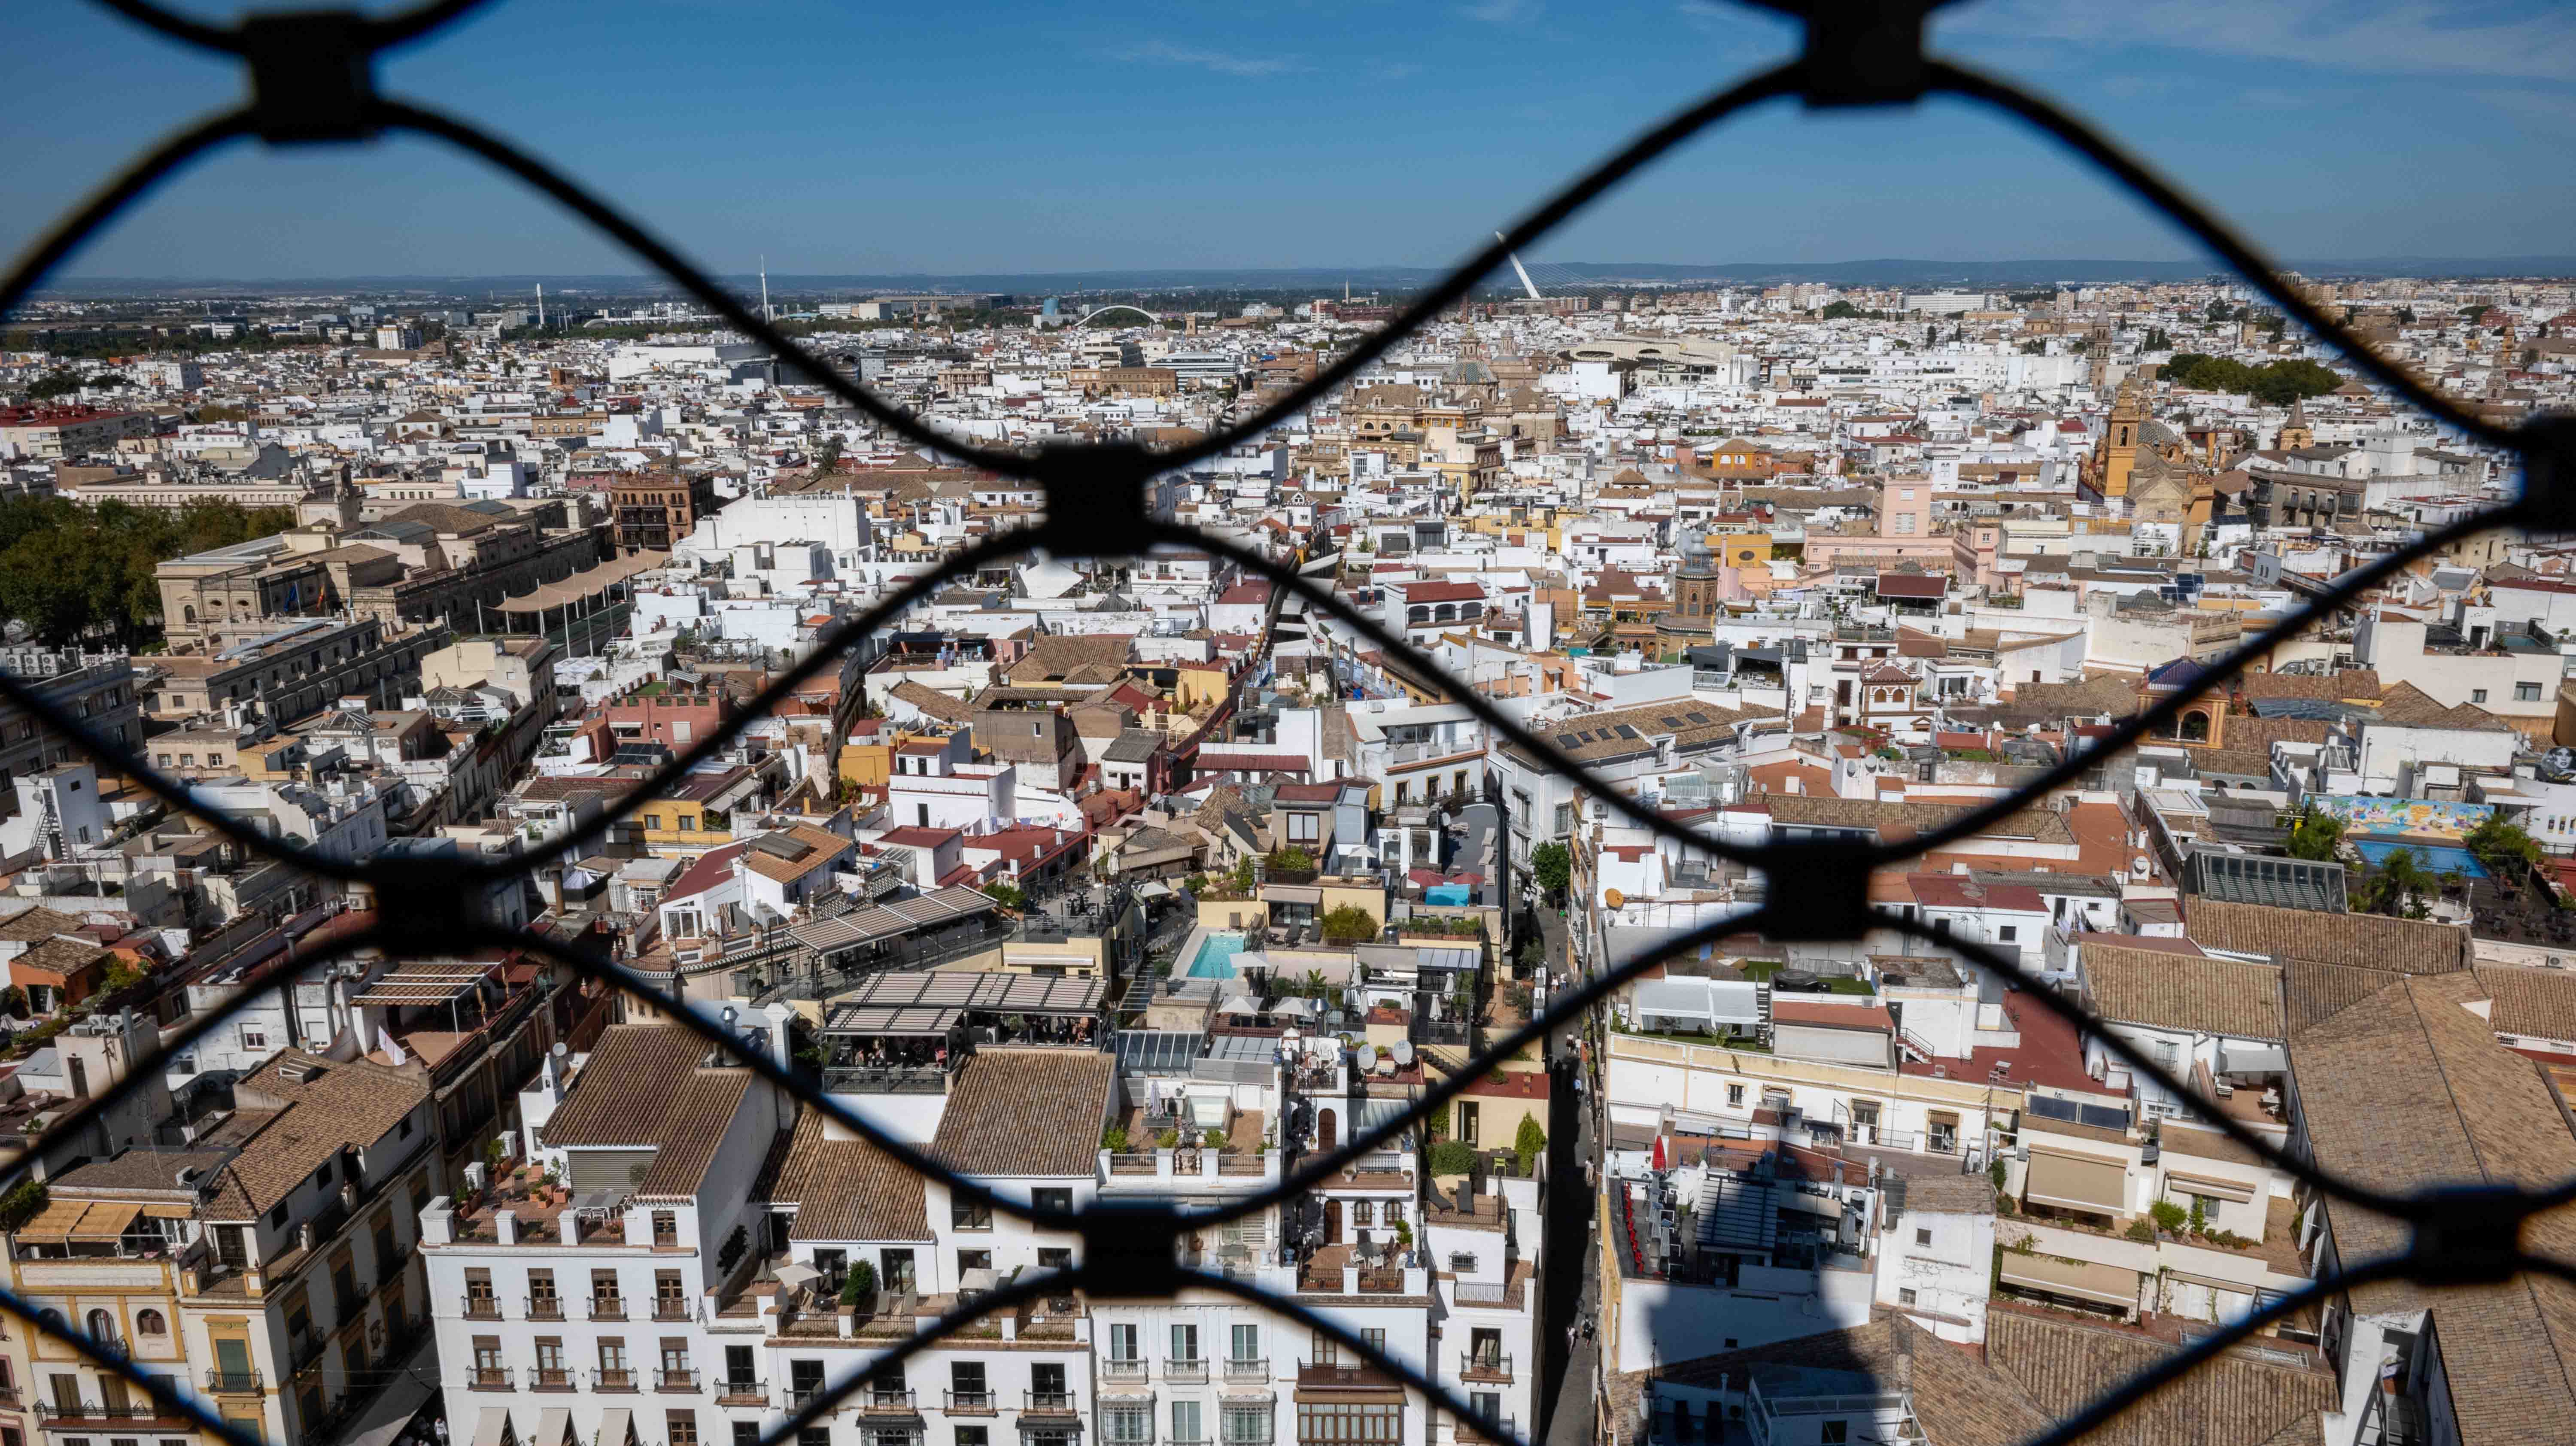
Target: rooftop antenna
[
  {"x": 541, "y": 306},
  {"x": 764, "y": 289}
]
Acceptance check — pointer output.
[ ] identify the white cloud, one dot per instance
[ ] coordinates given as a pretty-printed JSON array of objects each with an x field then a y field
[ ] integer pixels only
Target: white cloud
[
  {"x": 1222, "y": 62},
  {"x": 2393, "y": 37},
  {"x": 1503, "y": 12}
]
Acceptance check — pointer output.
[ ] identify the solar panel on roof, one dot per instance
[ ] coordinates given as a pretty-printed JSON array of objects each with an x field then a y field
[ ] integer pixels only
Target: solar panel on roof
[
  {"x": 1568, "y": 740},
  {"x": 1696, "y": 716},
  {"x": 782, "y": 846},
  {"x": 1627, "y": 732},
  {"x": 1672, "y": 722},
  {"x": 2103, "y": 1117},
  {"x": 2050, "y": 1107}
]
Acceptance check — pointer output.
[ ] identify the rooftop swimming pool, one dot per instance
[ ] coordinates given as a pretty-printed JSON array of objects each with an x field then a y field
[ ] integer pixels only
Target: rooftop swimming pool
[
  {"x": 1215, "y": 958},
  {"x": 2435, "y": 858}
]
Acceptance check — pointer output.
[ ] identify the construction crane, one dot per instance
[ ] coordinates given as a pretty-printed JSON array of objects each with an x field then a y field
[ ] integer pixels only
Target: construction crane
[{"x": 1522, "y": 271}]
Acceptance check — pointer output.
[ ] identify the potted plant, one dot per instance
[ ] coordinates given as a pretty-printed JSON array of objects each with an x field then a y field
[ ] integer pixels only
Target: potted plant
[
  {"x": 2169, "y": 1217},
  {"x": 859, "y": 1291},
  {"x": 1216, "y": 1140}
]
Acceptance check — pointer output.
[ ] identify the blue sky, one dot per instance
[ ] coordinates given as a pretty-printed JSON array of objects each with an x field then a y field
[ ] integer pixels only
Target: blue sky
[{"x": 975, "y": 136}]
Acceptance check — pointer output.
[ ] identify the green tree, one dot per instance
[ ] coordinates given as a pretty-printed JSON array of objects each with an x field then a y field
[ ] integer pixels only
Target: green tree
[
  {"x": 2501, "y": 845},
  {"x": 1006, "y": 894},
  {"x": 1293, "y": 859},
  {"x": 1839, "y": 311},
  {"x": 829, "y": 455},
  {"x": 1553, "y": 867},
  {"x": 1349, "y": 924},
  {"x": 2397, "y": 887},
  {"x": 2315, "y": 836},
  {"x": 2219, "y": 311},
  {"x": 2284, "y": 382},
  {"x": 1529, "y": 1143},
  {"x": 54, "y": 384}
]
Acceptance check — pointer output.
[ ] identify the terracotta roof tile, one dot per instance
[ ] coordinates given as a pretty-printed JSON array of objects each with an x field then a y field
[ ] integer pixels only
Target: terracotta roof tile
[
  {"x": 1026, "y": 1112},
  {"x": 848, "y": 1189},
  {"x": 2368, "y": 941},
  {"x": 2407, "y": 1090},
  {"x": 2180, "y": 991}
]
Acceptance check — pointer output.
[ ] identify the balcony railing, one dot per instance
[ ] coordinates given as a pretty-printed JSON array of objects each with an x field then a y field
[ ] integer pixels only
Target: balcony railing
[
  {"x": 682, "y": 1379},
  {"x": 608, "y": 1307},
  {"x": 482, "y": 1307},
  {"x": 489, "y": 1378},
  {"x": 1190, "y": 1368},
  {"x": 228, "y": 1381},
  {"x": 670, "y": 1307},
  {"x": 888, "y": 1401},
  {"x": 612, "y": 1378},
  {"x": 1498, "y": 1429},
  {"x": 742, "y": 1392},
  {"x": 972, "y": 1403},
  {"x": 1047, "y": 1403},
  {"x": 1487, "y": 1367},
  {"x": 545, "y": 1307},
  {"x": 1247, "y": 1368},
  {"x": 132, "y": 1410},
  {"x": 549, "y": 1378},
  {"x": 1118, "y": 1370}
]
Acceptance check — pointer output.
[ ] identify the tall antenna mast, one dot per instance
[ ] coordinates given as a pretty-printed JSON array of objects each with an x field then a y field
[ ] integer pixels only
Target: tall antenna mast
[
  {"x": 764, "y": 289},
  {"x": 541, "y": 306}
]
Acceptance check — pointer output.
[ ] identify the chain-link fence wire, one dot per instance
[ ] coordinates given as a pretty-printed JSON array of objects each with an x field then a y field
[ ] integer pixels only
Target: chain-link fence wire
[{"x": 312, "y": 81}]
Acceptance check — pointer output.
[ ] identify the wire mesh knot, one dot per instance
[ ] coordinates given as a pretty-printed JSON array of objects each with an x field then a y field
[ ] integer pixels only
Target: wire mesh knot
[
  {"x": 1095, "y": 497},
  {"x": 1127, "y": 1249},
  {"x": 312, "y": 75},
  {"x": 1861, "y": 52},
  {"x": 2548, "y": 473},
  {"x": 1817, "y": 891},
  {"x": 439, "y": 906},
  {"x": 2469, "y": 1235}
]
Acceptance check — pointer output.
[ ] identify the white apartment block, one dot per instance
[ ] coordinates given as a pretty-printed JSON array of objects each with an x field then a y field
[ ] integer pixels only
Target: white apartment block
[{"x": 683, "y": 1286}]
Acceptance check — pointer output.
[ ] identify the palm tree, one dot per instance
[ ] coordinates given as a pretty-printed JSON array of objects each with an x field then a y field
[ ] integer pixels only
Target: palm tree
[{"x": 2399, "y": 884}]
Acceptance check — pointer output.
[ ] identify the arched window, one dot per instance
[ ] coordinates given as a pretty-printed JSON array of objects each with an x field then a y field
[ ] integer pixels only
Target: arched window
[
  {"x": 1418, "y": 613},
  {"x": 1446, "y": 612},
  {"x": 102, "y": 1326},
  {"x": 2195, "y": 727},
  {"x": 188, "y": 614},
  {"x": 150, "y": 1323}
]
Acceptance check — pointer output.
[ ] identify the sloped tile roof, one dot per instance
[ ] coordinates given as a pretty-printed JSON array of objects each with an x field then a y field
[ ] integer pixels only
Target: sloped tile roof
[
  {"x": 342, "y": 1105},
  {"x": 848, "y": 1189},
  {"x": 1026, "y": 1112},
  {"x": 625, "y": 1089},
  {"x": 2528, "y": 1001},
  {"x": 2368, "y": 941},
  {"x": 2235, "y": 1400},
  {"x": 2182, "y": 991},
  {"x": 2407, "y": 1090}
]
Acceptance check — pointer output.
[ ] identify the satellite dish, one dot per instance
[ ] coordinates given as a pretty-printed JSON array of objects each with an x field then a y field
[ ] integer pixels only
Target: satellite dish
[{"x": 1614, "y": 898}]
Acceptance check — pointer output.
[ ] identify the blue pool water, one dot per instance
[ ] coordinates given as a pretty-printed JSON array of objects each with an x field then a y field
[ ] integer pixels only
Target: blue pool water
[
  {"x": 2436, "y": 858},
  {"x": 1216, "y": 957},
  {"x": 1446, "y": 894}
]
